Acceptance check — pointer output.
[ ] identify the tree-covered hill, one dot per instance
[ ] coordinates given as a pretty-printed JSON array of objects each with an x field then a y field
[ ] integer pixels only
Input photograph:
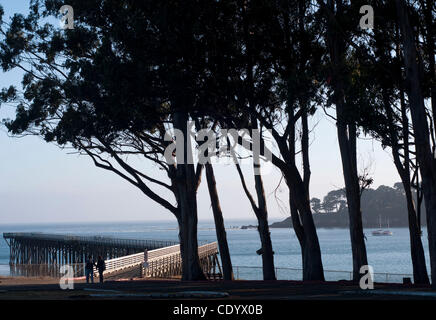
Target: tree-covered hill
[{"x": 384, "y": 203}]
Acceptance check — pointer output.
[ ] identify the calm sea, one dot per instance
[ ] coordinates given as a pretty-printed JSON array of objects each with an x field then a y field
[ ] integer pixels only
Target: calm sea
[{"x": 385, "y": 254}]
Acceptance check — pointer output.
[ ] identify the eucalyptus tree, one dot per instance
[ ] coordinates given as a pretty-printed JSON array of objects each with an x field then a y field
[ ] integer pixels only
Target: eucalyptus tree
[
  {"x": 114, "y": 85},
  {"x": 395, "y": 130},
  {"x": 297, "y": 59},
  {"x": 341, "y": 18},
  {"x": 387, "y": 119},
  {"x": 216, "y": 206},
  {"x": 413, "y": 66},
  {"x": 369, "y": 82},
  {"x": 261, "y": 211},
  {"x": 219, "y": 223},
  {"x": 280, "y": 71}
]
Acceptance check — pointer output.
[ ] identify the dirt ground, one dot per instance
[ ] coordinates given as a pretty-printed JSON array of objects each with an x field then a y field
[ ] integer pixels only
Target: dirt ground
[
  {"x": 138, "y": 289},
  {"x": 20, "y": 281}
]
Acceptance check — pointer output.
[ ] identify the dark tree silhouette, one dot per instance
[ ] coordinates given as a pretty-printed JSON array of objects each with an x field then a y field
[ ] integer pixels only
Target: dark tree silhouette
[{"x": 112, "y": 87}]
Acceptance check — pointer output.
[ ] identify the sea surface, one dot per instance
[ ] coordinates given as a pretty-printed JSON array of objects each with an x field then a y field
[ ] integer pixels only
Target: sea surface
[{"x": 390, "y": 254}]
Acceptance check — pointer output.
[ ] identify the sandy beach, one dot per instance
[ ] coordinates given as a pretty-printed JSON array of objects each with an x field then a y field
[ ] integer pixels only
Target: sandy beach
[{"x": 17, "y": 281}]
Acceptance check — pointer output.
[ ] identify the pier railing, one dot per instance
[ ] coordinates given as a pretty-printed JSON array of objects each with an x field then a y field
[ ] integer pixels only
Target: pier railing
[
  {"x": 161, "y": 262},
  {"x": 117, "y": 264},
  {"x": 169, "y": 264},
  {"x": 284, "y": 273},
  {"x": 104, "y": 240}
]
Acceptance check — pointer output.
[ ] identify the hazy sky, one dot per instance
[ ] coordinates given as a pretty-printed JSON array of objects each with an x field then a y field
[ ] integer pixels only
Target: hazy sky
[{"x": 40, "y": 182}]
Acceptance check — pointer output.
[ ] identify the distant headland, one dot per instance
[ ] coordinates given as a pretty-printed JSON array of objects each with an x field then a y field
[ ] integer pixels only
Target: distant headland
[{"x": 384, "y": 204}]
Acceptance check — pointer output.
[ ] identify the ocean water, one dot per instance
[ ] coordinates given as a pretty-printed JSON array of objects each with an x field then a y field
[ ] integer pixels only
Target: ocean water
[{"x": 385, "y": 254}]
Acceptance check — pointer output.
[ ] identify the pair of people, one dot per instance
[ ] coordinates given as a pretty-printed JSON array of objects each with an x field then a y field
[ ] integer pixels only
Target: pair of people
[{"x": 89, "y": 269}]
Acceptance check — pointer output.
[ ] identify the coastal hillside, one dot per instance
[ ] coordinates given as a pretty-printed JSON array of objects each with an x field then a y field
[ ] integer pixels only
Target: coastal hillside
[{"x": 385, "y": 204}]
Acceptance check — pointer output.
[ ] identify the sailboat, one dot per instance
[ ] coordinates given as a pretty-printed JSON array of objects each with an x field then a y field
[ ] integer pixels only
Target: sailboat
[
  {"x": 387, "y": 232},
  {"x": 381, "y": 232}
]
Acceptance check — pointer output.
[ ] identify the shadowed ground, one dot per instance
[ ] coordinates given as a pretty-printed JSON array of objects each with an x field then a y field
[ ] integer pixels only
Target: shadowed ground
[{"x": 173, "y": 289}]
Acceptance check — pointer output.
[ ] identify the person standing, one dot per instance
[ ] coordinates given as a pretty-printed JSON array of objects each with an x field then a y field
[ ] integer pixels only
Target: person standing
[
  {"x": 89, "y": 269},
  {"x": 101, "y": 266}
]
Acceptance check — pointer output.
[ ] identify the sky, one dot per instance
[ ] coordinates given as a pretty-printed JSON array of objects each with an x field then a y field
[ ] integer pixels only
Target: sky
[{"x": 42, "y": 183}]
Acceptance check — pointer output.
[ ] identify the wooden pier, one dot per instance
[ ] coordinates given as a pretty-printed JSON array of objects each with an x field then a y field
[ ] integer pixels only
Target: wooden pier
[
  {"x": 42, "y": 248},
  {"x": 34, "y": 254}
]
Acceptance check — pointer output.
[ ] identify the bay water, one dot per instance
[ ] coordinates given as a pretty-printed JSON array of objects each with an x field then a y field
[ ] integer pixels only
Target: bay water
[{"x": 387, "y": 254}]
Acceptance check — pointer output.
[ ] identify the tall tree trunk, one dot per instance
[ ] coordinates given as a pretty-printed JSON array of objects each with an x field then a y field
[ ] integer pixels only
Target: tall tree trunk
[
  {"x": 300, "y": 205},
  {"x": 420, "y": 275},
  {"x": 307, "y": 236},
  {"x": 301, "y": 214},
  {"x": 420, "y": 128},
  {"x": 347, "y": 141},
  {"x": 219, "y": 224},
  {"x": 264, "y": 233},
  {"x": 261, "y": 209},
  {"x": 267, "y": 250},
  {"x": 261, "y": 213},
  {"x": 187, "y": 197},
  {"x": 347, "y": 146}
]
